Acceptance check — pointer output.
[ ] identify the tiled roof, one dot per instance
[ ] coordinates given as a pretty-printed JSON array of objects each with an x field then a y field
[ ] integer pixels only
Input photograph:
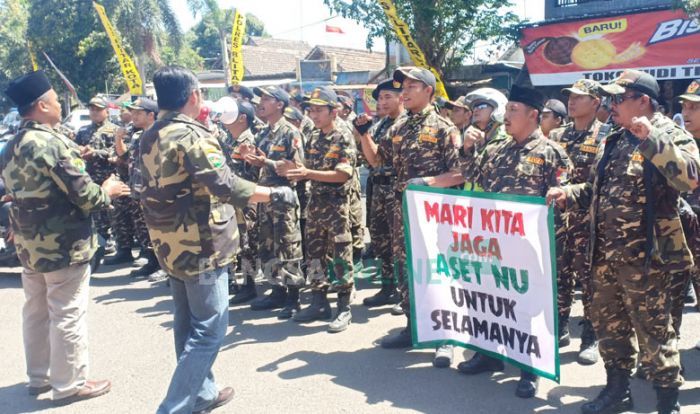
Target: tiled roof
[{"x": 349, "y": 60}]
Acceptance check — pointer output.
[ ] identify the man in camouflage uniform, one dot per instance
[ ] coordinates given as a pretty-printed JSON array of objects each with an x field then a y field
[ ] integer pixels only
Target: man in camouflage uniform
[
  {"x": 374, "y": 139},
  {"x": 188, "y": 198},
  {"x": 460, "y": 114},
  {"x": 145, "y": 112},
  {"x": 55, "y": 239},
  {"x": 488, "y": 107},
  {"x": 527, "y": 163},
  {"x": 637, "y": 240},
  {"x": 238, "y": 119},
  {"x": 690, "y": 102},
  {"x": 553, "y": 116},
  {"x": 280, "y": 236},
  {"x": 424, "y": 152},
  {"x": 328, "y": 166},
  {"x": 97, "y": 147},
  {"x": 580, "y": 139}
]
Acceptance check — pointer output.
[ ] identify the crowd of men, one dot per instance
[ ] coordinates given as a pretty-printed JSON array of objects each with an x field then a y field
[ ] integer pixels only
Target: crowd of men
[{"x": 266, "y": 185}]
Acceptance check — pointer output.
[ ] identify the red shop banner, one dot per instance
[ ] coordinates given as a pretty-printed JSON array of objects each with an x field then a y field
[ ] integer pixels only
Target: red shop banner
[{"x": 663, "y": 43}]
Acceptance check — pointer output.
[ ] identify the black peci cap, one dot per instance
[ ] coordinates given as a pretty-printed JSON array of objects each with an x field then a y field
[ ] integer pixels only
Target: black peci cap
[{"x": 28, "y": 88}]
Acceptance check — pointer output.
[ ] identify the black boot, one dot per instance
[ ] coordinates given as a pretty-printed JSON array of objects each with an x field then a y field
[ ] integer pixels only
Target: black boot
[
  {"x": 149, "y": 268},
  {"x": 588, "y": 353},
  {"x": 292, "y": 305},
  {"x": 275, "y": 300},
  {"x": 319, "y": 309},
  {"x": 399, "y": 340},
  {"x": 344, "y": 317},
  {"x": 246, "y": 292},
  {"x": 386, "y": 295},
  {"x": 667, "y": 401},
  {"x": 615, "y": 397},
  {"x": 564, "y": 334},
  {"x": 480, "y": 363},
  {"x": 123, "y": 256},
  {"x": 527, "y": 385}
]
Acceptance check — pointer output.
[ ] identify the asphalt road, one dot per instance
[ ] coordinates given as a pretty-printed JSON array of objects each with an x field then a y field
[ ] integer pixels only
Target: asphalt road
[{"x": 282, "y": 367}]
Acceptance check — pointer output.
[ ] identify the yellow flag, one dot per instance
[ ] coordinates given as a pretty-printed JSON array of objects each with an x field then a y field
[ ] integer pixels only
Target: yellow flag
[
  {"x": 402, "y": 31},
  {"x": 32, "y": 57},
  {"x": 131, "y": 74},
  {"x": 237, "y": 70}
]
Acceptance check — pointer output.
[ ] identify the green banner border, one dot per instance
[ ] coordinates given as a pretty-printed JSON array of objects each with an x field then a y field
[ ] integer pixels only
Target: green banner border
[{"x": 553, "y": 253}]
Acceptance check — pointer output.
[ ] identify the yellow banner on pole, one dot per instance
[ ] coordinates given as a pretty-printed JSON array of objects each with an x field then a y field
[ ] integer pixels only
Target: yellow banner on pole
[
  {"x": 403, "y": 32},
  {"x": 237, "y": 70},
  {"x": 32, "y": 57},
  {"x": 131, "y": 74}
]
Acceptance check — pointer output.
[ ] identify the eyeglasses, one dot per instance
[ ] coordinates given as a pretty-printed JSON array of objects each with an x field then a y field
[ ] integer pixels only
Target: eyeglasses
[{"x": 618, "y": 99}]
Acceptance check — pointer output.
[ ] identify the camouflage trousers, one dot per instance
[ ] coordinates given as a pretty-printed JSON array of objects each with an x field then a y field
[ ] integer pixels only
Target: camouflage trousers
[
  {"x": 279, "y": 245},
  {"x": 681, "y": 280},
  {"x": 356, "y": 225},
  {"x": 572, "y": 263},
  {"x": 329, "y": 242},
  {"x": 247, "y": 218},
  {"x": 103, "y": 224},
  {"x": 625, "y": 302},
  {"x": 398, "y": 248},
  {"x": 380, "y": 217},
  {"x": 128, "y": 222}
]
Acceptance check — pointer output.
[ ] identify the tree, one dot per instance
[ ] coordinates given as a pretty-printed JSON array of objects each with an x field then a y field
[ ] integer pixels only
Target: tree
[
  {"x": 14, "y": 54},
  {"x": 213, "y": 32},
  {"x": 692, "y": 7},
  {"x": 446, "y": 31}
]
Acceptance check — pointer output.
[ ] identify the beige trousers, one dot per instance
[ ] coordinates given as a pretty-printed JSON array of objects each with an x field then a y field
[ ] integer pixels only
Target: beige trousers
[{"x": 55, "y": 328}]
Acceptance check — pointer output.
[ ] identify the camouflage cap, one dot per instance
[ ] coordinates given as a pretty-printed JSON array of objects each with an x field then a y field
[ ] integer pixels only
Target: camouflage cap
[
  {"x": 461, "y": 102},
  {"x": 98, "y": 102},
  {"x": 273, "y": 91},
  {"x": 633, "y": 79},
  {"x": 419, "y": 74},
  {"x": 386, "y": 85},
  {"x": 346, "y": 101},
  {"x": 556, "y": 106},
  {"x": 143, "y": 104},
  {"x": 583, "y": 87},
  {"x": 323, "y": 96},
  {"x": 692, "y": 92},
  {"x": 293, "y": 113},
  {"x": 244, "y": 91}
]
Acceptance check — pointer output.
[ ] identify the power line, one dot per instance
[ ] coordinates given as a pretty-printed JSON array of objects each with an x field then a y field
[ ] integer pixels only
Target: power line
[{"x": 306, "y": 25}]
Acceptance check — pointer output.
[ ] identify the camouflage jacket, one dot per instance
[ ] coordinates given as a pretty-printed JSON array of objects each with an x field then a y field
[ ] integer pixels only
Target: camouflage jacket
[
  {"x": 528, "y": 168},
  {"x": 494, "y": 134},
  {"x": 281, "y": 141},
  {"x": 616, "y": 195},
  {"x": 100, "y": 138},
  {"x": 379, "y": 135},
  {"x": 330, "y": 152},
  {"x": 307, "y": 126},
  {"x": 581, "y": 146},
  {"x": 236, "y": 161},
  {"x": 53, "y": 198},
  {"x": 187, "y": 196},
  {"x": 424, "y": 144}
]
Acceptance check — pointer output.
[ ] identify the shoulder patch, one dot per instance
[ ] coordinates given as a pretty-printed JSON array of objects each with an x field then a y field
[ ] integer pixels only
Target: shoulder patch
[
  {"x": 79, "y": 164},
  {"x": 215, "y": 158}
]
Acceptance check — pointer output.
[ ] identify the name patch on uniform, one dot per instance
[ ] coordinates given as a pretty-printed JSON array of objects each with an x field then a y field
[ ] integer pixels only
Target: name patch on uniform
[
  {"x": 589, "y": 148},
  {"x": 335, "y": 148},
  {"x": 535, "y": 160},
  {"x": 427, "y": 138},
  {"x": 637, "y": 157},
  {"x": 313, "y": 151},
  {"x": 332, "y": 155},
  {"x": 278, "y": 148},
  {"x": 396, "y": 139}
]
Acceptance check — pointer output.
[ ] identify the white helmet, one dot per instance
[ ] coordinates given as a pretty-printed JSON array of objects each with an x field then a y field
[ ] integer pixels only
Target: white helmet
[{"x": 492, "y": 97}]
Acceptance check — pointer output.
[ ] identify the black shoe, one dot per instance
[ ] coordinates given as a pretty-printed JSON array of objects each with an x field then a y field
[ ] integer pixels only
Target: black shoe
[
  {"x": 149, "y": 268},
  {"x": 275, "y": 300},
  {"x": 344, "y": 317},
  {"x": 386, "y": 295},
  {"x": 588, "y": 353},
  {"x": 615, "y": 397},
  {"x": 527, "y": 385},
  {"x": 292, "y": 305},
  {"x": 319, "y": 309},
  {"x": 246, "y": 292},
  {"x": 399, "y": 340},
  {"x": 123, "y": 256},
  {"x": 480, "y": 363},
  {"x": 667, "y": 401},
  {"x": 564, "y": 334}
]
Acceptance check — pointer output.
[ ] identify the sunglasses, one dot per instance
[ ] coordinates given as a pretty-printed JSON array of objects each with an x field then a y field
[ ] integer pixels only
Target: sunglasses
[{"x": 618, "y": 99}]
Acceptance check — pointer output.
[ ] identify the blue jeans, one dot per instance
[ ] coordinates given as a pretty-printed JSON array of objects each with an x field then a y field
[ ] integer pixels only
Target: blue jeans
[{"x": 200, "y": 322}]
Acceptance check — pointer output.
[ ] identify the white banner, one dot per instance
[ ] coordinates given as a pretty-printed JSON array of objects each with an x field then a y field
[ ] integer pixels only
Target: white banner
[{"x": 482, "y": 274}]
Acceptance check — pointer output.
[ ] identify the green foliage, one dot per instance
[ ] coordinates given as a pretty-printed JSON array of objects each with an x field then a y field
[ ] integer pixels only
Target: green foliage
[
  {"x": 446, "y": 31},
  {"x": 14, "y": 55},
  {"x": 692, "y": 7}
]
